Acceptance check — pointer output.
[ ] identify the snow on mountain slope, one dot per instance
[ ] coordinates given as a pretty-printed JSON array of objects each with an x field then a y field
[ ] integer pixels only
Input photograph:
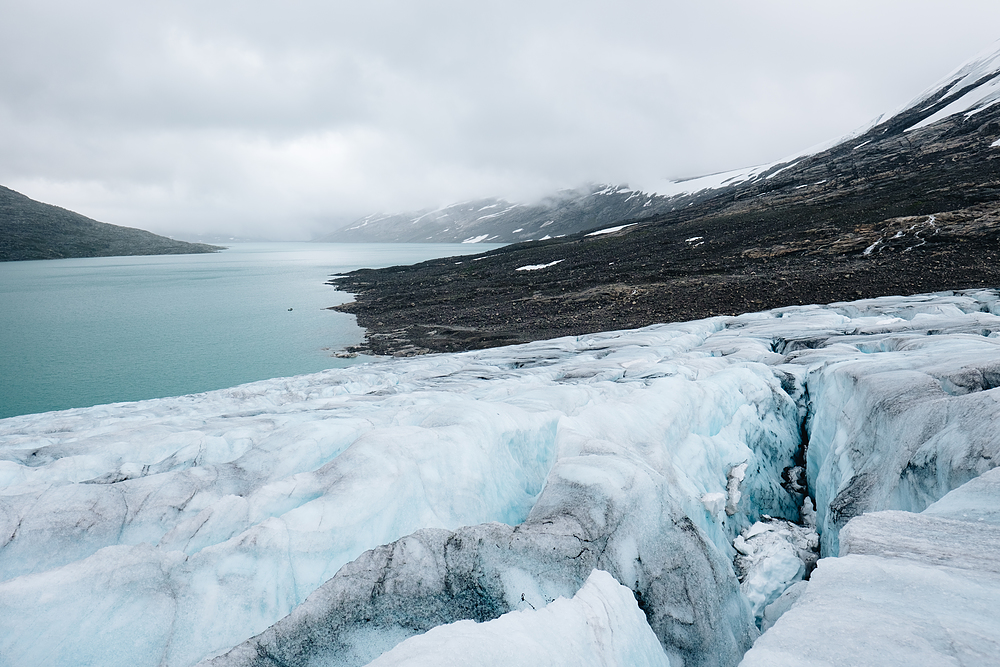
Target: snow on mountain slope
[
  {"x": 971, "y": 88},
  {"x": 494, "y": 220},
  {"x": 968, "y": 90}
]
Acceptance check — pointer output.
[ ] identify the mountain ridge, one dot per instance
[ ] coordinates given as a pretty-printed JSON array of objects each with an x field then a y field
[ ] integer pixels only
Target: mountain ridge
[{"x": 565, "y": 212}]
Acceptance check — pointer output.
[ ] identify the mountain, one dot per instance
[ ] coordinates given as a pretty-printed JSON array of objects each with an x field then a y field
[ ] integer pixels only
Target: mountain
[
  {"x": 619, "y": 499},
  {"x": 908, "y": 204},
  {"x": 32, "y": 230},
  {"x": 500, "y": 221}
]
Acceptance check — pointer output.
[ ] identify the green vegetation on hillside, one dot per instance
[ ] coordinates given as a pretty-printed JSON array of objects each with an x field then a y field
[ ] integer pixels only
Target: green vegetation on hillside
[{"x": 32, "y": 230}]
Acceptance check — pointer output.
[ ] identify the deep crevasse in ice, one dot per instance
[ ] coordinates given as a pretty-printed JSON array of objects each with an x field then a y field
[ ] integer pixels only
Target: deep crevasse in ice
[
  {"x": 909, "y": 588},
  {"x": 900, "y": 419},
  {"x": 167, "y": 531}
]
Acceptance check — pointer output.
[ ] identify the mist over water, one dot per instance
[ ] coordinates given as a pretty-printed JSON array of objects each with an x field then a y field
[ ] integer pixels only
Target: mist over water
[{"x": 81, "y": 332}]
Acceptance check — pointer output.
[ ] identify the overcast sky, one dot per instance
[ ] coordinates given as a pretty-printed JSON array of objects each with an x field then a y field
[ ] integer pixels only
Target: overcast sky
[{"x": 286, "y": 119}]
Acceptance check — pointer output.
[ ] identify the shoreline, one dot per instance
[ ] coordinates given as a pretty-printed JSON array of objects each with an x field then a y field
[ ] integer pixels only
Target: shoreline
[{"x": 427, "y": 308}]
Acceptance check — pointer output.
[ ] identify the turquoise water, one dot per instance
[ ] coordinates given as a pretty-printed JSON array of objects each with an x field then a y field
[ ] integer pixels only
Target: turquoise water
[{"x": 81, "y": 332}]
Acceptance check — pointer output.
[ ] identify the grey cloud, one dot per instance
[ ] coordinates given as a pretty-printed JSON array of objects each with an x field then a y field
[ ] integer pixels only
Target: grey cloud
[{"x": 264, "y": 117}]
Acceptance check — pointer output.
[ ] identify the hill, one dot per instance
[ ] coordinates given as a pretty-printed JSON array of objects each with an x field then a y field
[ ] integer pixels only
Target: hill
[
  {"x": 30, "y": 229},
  {"x": 910, "y": 204}
]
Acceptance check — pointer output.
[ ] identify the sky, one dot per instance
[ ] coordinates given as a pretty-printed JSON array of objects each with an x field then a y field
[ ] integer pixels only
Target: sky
[{"x": 285, "y": 120}]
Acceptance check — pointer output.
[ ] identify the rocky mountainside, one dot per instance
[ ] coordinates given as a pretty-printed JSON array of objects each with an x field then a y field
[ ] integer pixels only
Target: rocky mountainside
[
  {"x": 910, "y": 204},
  {"x": 32, "y": 230},
  {"x": 500, "y": 221}
]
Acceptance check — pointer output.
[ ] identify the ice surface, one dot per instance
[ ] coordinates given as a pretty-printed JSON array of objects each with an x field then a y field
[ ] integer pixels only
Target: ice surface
[
  {"x": 601, "y": 626},
  {"x": 268, "y": 489},
  {"x": 867, "y": 610},
  {"x": 773, "y": 555},
  {"x": 899, "y": 420},
  {"x": 976, "y": 500},
  {"x": 776, "y": 609},
  {"x": 925, "y": 539},
  {"x": 281, "y": 484},
  {"x": 623, "y": 496},
  {"x": 339, "y": 513},
  {"x": 908, "y": 589}
]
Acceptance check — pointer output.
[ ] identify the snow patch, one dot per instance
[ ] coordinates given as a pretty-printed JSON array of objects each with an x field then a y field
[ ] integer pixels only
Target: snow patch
[
  {"x": 610, "y": 230},
  {"x": 537, "y": 267}
]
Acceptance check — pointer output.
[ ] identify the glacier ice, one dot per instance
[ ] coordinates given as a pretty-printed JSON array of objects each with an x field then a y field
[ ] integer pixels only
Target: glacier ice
[
  {"x": 898, "y": 421},
  {"x": 600, "y": 626},
  {"x": 772, "y": 555},
  {"x": 909, "y": 589},
  {"x": 866, "y": 610},
  {"x": 976, "y": 500},
  {"x": 324, "y": 519}
]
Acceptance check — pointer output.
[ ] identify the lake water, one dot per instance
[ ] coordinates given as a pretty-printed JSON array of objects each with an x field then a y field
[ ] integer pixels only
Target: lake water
[{"x": 81, "y": 332}]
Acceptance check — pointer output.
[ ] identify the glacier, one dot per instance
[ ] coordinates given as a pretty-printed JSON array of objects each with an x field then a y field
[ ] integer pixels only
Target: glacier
[
  {"x": 600, "y": 626},
  {"x": 442, "y": 504},
  {"x": 908, "y": 588}
]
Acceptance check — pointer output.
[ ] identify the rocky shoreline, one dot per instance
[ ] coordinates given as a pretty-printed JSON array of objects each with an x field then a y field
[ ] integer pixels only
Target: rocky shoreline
[{"x": 415, "y": 310}]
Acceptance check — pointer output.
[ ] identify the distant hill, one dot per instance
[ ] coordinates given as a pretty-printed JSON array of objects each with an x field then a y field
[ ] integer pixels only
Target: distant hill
[
  {"x": 32, "y": 230},
  {"x": 495, "y": 220}
]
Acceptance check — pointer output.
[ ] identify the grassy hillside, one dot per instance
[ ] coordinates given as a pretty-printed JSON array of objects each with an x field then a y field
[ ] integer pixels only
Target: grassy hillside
[{"x": 32, "y": 230}]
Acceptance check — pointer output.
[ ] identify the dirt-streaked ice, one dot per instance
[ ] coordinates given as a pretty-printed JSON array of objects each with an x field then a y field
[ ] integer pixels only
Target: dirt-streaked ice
[{"x": 600, "y": 626}]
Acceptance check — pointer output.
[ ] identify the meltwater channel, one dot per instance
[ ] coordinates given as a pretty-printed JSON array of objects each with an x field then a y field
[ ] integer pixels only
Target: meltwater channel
[{"x": 82, "y": 332}]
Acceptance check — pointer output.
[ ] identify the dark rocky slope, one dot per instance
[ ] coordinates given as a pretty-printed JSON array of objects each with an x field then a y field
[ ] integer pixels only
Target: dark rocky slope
[
  {"x": 32, "y": 230},
  {"x": 890, "y": 211}
]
